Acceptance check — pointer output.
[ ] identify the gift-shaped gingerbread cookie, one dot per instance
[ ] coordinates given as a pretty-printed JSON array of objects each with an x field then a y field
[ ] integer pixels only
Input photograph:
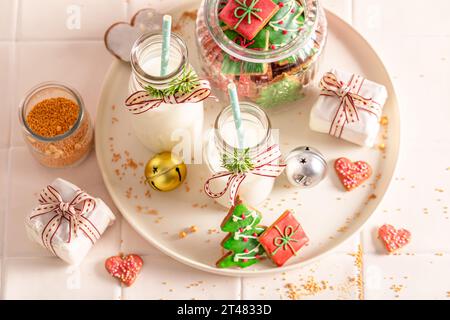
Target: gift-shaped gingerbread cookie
[
  {"x": 248, "y": 17},
  {"x": 283, "y": 239},
  {"x": 349, "y": 107}
]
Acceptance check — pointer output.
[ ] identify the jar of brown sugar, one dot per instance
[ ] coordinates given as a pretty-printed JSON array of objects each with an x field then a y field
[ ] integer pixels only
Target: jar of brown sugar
[{"x": 56, "y": 126}]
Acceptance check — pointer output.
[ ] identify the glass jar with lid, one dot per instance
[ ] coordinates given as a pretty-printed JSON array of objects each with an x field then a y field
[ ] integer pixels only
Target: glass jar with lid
[
  {"x": 56, "y": 125},
  {"x": 277, "y": 64}
]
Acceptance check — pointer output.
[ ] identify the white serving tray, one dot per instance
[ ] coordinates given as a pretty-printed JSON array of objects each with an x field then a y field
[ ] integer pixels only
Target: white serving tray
[{"x": 328, "y": 214}]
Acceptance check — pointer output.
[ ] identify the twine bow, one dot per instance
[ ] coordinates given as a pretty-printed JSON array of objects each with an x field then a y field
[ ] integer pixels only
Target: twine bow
[
  {"x": 264, "y": 164},
  {"x": 247, "y": 11},
  {"x": 285, "y": 239},
  {"x": 350, "y": 101},
  {"x": 73, "y": 212},
  {"x": 140, "y": 101}
]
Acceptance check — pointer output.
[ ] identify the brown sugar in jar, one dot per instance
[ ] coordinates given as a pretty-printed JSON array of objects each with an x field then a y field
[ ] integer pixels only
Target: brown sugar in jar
[{"x": 56, "y": 126}]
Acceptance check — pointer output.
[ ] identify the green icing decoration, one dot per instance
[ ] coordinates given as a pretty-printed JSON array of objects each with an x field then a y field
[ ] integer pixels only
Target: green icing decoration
[
  {"x": 286, "y": 90},
  {"x": 242, "y": 240}
]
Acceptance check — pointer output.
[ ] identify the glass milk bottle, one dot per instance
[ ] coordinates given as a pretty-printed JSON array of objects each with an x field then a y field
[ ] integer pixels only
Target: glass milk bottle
[
  {"x": 164, "y": 127},
  {"x": 223, "y": 141}
]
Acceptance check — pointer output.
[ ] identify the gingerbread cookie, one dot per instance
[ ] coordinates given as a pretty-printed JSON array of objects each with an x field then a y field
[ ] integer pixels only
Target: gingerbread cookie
[
  {"x": 352, "y": 174},
  {"x": 248, "y": 17},
  {"x": 120, "y": 37},
  {"x": 242, "y": 241},
  {"x": 392, "y": 238},
  {"x": 283, "y": 239},
  {"x": 125, "y": 268}
]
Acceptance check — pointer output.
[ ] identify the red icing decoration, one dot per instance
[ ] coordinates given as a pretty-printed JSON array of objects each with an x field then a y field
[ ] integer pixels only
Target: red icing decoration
[
  {"x": 125, "y": 268},
  {"x": 393, "y": 239},
  {"x": 246, "y": 250},
  {"x": 291, "y": 231},
  {"x": 352, "y": 174},
  {"x": 285, "y": 32},
  {"x": 236, "y": 15},
  {"x": 243, "y": 216},
  {"x": 245, "y": 239}
]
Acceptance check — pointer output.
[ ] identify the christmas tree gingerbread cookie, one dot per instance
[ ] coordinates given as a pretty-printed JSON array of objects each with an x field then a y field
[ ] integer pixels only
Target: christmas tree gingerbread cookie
[{"x": 242, "y": 240}]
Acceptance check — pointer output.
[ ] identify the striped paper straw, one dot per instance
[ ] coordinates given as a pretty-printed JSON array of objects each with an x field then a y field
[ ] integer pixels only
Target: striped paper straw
[
  {"x": 232, "y": 92},
  {"x": 166, "y": 31}
]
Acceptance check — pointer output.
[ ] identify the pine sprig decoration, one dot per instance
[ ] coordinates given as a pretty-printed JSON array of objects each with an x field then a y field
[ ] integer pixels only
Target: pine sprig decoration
[
  {"x": 156, "y": 93},
  {"x": 183, "y": 84},
  {"x": 239, "y": 162}
]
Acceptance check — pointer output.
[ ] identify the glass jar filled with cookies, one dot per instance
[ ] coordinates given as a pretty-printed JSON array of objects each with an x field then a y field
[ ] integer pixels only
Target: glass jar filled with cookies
[{"x": 269, "y": 48}]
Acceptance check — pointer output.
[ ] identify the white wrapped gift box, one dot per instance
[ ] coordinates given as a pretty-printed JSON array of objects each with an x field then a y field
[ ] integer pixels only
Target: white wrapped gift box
[
  {"x": 68, "y": 221},
  {"x": 349, "y": 107}
]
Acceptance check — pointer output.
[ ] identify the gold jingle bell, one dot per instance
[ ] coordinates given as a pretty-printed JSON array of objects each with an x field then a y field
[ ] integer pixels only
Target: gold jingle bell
[{"x": 165, "y": 172}]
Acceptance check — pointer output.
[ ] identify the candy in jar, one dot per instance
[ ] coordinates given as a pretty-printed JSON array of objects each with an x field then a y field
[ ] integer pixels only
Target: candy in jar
[
  {"x": 269, "y": 48},
  {"x": 166, "y": 109}
]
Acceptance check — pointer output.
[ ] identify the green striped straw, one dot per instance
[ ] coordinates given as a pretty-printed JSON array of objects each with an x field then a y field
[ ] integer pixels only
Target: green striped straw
[
  {"x": 232, "y": 92},
  {"x": 166, "y": 31}
]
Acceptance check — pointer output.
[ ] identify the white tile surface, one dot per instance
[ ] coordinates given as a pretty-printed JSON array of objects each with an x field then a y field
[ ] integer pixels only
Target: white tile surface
[
  {"x": 8, "y": 9},
  {"x": 343, "y": 8},
  {"x": 407, "y": 277},
  {"x": 6, "y": 79},
  {"x": 333, "y": 277},
  {"x": 402, "y": 18},
  {"x": 68, "y": 19},
  {"x": 3, "y": 192},
  {"x": 164, "y": 278},
  {"x": 132, "y": 242},
  {"x": 49, "y": 278}
]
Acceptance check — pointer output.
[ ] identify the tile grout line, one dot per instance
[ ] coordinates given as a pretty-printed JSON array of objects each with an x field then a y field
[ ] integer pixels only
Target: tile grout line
[
  {"x": 241, "y": 281},
  {"x": 8, "y": 165}
]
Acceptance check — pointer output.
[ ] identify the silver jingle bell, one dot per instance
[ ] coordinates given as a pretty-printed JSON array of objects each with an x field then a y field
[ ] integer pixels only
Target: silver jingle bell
[{"x": 305, "y": 167}]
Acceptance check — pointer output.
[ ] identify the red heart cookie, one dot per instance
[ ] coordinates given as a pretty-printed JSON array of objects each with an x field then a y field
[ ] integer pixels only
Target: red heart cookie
[
  {"x": 352, "y": 174},
  {"x": 393, "y": 239},
  {"x": 125, "y": 268}
]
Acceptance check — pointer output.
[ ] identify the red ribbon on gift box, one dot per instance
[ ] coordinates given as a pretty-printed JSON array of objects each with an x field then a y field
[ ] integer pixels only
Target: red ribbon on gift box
[
  {"x": 73, "y": 212},
  {"x": 351, "y": 102},
  {"x": 264, "y": 164}
]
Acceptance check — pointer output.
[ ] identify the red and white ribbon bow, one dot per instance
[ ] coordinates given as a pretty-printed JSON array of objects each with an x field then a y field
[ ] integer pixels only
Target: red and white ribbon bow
[
  {"x": 72, "y": 213},
  {"x": 141, "y": 101},
  {"x": 350, "y": 101},
  {"x": 265, "y": 164}
]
